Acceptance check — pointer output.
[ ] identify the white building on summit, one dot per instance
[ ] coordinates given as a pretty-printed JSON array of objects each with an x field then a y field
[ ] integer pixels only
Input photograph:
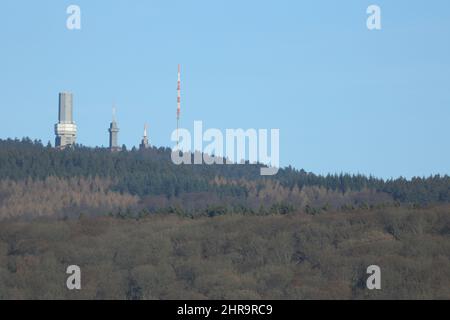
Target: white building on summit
[
  {"x": 144, "y": 143},
  {"x": 65, "y": 129}
]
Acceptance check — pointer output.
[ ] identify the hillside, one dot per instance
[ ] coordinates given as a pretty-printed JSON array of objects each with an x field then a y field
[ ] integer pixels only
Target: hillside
[
  {"x": 141, "y": 227},
  {"x": 37, "y": 180},
  {"x": 235, "y": 256}
]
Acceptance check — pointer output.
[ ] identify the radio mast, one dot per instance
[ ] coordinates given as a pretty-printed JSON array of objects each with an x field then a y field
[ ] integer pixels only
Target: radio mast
[{"x": 178, "y": 100}]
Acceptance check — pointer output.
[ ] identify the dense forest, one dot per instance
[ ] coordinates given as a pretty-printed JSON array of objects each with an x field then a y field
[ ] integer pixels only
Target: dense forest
[
  {"x": 141, "y": 227},
  {"x": 234, "y": 256},
  {"x": 150, "y": 182}
]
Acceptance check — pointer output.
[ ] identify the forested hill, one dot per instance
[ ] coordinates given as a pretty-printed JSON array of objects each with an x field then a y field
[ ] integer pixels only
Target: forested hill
[
  {"x": 150, "y": 173},
  {"x": 143, "y": 228}
]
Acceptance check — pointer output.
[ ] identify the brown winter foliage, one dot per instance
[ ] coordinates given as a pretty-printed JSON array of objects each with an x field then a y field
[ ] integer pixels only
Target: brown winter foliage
[
  {"x": 263, "y": 194},
  {"x": 59, "y": 197},
  {"x": 267, "y": 192},
  {"x": 233, "y": 256},
  {"x": 70, "y": 197}
]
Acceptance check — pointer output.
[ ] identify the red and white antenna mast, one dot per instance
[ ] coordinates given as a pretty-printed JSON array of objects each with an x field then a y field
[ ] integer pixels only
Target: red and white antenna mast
[{"x": 178, "y": 100}]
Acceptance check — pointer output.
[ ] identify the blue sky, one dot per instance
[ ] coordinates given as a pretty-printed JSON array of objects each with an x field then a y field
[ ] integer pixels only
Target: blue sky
[{"x": 345, "y": 99}]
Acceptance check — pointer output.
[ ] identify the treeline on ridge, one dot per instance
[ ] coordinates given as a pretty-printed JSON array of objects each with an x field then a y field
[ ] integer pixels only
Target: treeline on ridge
[{"x": 148, "y": 181}]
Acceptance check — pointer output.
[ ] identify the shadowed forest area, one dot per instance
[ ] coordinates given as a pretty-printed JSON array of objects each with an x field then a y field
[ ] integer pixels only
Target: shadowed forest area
[
  {"x": 141, "y": 227},
  {"x": 292, "y": 256}
]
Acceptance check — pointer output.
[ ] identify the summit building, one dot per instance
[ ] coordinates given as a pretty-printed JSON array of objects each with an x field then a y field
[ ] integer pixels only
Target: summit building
[
  {"x": 65, "y": 129},
  {"x": 113, "y": 133}
]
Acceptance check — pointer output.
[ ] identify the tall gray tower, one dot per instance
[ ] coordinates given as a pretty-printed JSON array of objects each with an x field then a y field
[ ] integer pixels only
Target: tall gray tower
[
  {"x": 113, "y": 133},
  {"x": 65, "y": 129},
  {"x": 144, "y": 142}
]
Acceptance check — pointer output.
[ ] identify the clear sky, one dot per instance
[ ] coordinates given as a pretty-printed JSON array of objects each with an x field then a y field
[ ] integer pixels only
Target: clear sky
[{"x": 345, "y": 99}]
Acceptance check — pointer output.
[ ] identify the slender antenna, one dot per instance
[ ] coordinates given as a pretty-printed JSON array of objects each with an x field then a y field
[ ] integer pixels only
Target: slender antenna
[
  {"x": 114, "y": 113},
  {"x": 178, "y": 100}
]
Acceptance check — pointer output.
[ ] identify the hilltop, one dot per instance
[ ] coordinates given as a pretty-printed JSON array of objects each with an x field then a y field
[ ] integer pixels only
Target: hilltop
[
  {"x": 39, "y": 180},
  {"x": 141, "y": 227}
]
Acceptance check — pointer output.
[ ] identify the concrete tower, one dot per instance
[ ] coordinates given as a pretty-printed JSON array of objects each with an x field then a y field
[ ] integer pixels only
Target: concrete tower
[
  {"x": 144, "y": 143},
  {"x": 65, "y": 129},
  {"x": 113, "y": 133}
]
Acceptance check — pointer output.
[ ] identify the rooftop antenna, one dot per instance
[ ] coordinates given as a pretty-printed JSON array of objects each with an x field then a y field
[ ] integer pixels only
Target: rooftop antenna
[
  {"x": 114, "y": 112},
  {"x": 178, "y": 100}
]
